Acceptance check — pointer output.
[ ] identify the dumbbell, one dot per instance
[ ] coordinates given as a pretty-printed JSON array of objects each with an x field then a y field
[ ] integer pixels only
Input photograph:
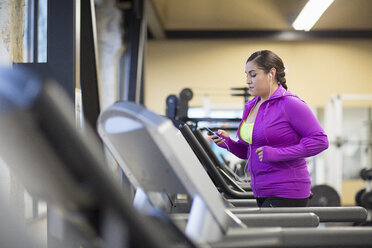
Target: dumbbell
[
  {"x": 364, "y": 196},
  {"x": 366, "y": 174},
  {"x": 366, "y": 200}
]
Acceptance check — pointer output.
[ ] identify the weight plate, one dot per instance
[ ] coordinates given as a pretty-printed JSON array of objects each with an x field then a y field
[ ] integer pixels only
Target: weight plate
[
  {"x": 366, "y": 200},
  {"x": 324, "y": 196},
  {"x": 358, "y": 197}
]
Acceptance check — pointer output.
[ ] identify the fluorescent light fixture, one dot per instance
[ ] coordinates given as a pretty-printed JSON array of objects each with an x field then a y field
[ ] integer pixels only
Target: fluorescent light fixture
[{"x": 310, "y": 14}]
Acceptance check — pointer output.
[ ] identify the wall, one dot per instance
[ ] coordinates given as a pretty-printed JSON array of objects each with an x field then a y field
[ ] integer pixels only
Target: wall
[{"x": 316, "y": 69}]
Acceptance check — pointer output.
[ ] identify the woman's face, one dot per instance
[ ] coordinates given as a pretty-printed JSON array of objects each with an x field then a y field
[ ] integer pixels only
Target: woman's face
[{"x": 257, "y": 80}]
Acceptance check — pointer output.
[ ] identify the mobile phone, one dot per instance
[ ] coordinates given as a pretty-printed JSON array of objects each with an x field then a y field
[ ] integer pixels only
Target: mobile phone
[{"x": 210, "y": 131}]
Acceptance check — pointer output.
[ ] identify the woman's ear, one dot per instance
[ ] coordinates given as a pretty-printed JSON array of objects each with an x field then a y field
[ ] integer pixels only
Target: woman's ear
[{"x": 272, "y": 73}]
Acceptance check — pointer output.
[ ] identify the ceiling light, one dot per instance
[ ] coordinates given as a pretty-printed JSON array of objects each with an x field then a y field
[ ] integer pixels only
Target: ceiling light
[{"x": 310, "y": 14}]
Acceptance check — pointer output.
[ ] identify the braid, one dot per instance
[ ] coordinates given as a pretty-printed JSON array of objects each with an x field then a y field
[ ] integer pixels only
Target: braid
[{"x": 280, "y": 77}]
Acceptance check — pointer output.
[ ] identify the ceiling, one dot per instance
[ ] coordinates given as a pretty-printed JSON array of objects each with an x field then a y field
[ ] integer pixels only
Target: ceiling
[{"x": 230, "y": 18}]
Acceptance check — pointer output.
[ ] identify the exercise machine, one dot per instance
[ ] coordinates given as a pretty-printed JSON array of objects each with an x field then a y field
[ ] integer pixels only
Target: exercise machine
[
  {"x": 64, "y": 166},
  {"x": 143, "y": 139}
]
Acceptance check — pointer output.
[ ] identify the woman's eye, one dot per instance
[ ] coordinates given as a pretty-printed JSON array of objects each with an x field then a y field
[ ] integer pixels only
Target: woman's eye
[{"x": 253, "y": 75}]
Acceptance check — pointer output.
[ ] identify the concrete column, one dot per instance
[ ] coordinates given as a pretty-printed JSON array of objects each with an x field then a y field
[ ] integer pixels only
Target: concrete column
[
  {"x": 110, "y": 49},
  {"x": 4, "y": 33}
]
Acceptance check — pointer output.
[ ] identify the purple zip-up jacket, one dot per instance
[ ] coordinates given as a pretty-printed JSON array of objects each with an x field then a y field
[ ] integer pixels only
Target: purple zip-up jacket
[{"x": 288, "y": 132}]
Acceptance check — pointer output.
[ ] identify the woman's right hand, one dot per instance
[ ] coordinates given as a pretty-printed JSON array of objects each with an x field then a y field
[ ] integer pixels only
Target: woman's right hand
[{"x": 220, "y": 138}]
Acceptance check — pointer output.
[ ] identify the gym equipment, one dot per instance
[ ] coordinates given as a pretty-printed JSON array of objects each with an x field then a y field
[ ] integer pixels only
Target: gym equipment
[
  {"x": 333, "y": 126},
  {"x": 331, "y": 197},
  {"x": 324, "y": 195},
  {"x": 118, "y": 131},
  {"x": 325, "y": 214},
  {"x": 225, "y": 171},
  {"x": 13, "y": 231},
  {"x": 185, "y": 96},
  {"x": 364, "y": 196},
  {"x": 131, "y": 131},
  {"x": 366, "y": 199},
  {"x": 366, "y": 174},
  {"x": 71, "y": 175},
  {"x": 245, "y": 93},
  {"x": 358, "y": 197},
  {"x": 172, "y": 107},
  {"x": 177, "y": 109},
  {"x": 213, "y": 169}
]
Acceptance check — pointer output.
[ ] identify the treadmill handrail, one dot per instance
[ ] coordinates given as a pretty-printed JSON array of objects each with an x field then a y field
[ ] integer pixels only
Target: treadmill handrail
[
  {"x": 228, "y": 178},
  {"x": 210, "y": 167},
  {"x": 326, "y": 214},
  {"x": 198, "y": 135}
]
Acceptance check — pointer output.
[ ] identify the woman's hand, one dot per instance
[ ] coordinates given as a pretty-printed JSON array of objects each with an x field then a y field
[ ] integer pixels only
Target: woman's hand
[
  {"x": 259, "y": 152},
  {"x": 218, "y": 139}
]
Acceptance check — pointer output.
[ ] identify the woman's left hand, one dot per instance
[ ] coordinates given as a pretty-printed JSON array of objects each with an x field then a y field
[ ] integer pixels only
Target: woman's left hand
[{"x": 259, "y": 152}]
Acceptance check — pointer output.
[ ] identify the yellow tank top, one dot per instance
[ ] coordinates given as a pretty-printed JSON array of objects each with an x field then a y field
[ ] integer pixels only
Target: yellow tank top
[{"x": 246, "y": 130}]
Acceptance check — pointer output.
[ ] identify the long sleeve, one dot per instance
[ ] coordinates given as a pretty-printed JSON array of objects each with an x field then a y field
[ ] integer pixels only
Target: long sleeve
[
  {"x": 238, "y": 148},
  {"x": 303, "y": 121}
]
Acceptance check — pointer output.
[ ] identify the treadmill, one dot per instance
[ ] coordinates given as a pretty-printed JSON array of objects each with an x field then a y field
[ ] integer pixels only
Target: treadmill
[
  {"x": 229, "y": 187},
  {"x": 87, "y": 207},
  {"x": 326, "y": 214},
  {"x": 148, "y": 143},
  {"x": 152, "y": 176}
]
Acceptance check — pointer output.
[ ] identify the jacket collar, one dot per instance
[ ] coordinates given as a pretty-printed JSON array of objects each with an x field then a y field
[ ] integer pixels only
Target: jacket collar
[{"x": 278, "y": 93}]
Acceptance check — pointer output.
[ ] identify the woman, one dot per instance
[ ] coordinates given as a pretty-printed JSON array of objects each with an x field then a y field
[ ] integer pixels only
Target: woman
[{"x": 277, "y": 132}]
